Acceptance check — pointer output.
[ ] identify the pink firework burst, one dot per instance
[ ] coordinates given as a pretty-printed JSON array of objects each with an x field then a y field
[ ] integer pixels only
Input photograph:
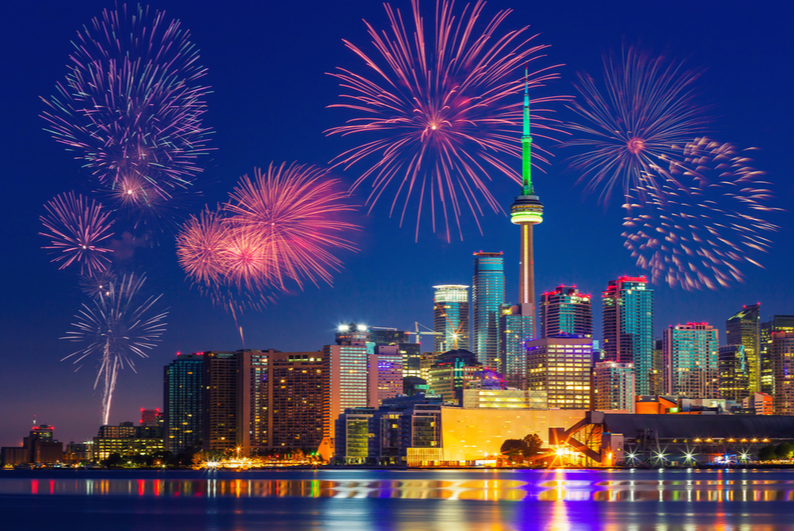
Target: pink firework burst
[
  {"x": 439, "y": 114},
  {"x": 628, "y": 132},
  {"x": 294, "y": 213},
  {"x": 78, "y": 229}
]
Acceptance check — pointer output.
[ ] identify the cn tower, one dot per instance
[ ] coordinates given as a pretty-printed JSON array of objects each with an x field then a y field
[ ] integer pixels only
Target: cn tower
[{"x": 527, "y": 211}]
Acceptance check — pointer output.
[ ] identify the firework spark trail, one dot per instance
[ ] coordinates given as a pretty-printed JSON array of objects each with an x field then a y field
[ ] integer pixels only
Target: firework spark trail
[
  {"x": 115, "y": 325},
  {"x": 131, "y": 105},
  {"x": 97, "y": 282},
  {"x": 699, "y": 231},
  {"x": 630, "y": 132},
  {"x": 443, "y": 111},
  {"x": 78, "y": 229}
]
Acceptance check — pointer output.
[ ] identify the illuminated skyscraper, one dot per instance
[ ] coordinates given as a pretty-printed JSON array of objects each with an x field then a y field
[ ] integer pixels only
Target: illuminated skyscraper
[
  {"x": 777, "y": 323},
  {"x": 614, "y": 386},
  {"x": 451, "y": 317},
  {"x": 782, "y": 350},
  {"x": 488, "y": 293},
  {"x": 515, "y": 330},
  {"x": 690, "y": 360},
  {"x": 347, "y": 381},
  {"x": 527, "y": 211},
  {"x": 222, "y": 415},
  {"x": 628, "y": 320},
  {"x": 561, "y": 366},
  {"x": 732, "y": 373},
  {"x": 183, "y": 384},
  {"x": 742, "y": 328},
  {"x": 565, "y": 312}
]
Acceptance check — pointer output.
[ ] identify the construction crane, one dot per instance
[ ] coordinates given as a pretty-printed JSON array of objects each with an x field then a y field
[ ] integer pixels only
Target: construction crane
[{"x": 419, "y": 333}]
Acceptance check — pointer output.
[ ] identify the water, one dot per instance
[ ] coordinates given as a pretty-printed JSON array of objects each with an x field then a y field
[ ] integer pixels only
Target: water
[{"x": 349, "y": 500}]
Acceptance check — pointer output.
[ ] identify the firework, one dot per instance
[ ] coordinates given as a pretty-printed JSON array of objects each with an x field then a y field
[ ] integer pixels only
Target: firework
[
  {"x": 115, "y": 325},
  {"x": 698, "y": 231},
  {"x": 131, "y": 105},
  {"x": 630, "y": 132},
  {"x": 441, "y": 113},
  {"x": 200, "y": 248},
  {"x": 97, "y": 283},
  {"x": 284, "y": 224},
  {"x": 78, "y": 229}
]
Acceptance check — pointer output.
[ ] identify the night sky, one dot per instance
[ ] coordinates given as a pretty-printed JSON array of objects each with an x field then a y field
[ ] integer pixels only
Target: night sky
[{"x": 266, "y": 66}]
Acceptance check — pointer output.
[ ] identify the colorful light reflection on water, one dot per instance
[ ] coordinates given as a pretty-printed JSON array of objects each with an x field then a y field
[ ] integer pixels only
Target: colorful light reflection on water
[{"x": 556, "y": 486}]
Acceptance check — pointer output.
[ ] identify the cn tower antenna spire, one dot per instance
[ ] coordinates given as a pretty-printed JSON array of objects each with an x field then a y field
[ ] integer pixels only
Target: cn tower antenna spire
[{"x": 527, "y": 141}]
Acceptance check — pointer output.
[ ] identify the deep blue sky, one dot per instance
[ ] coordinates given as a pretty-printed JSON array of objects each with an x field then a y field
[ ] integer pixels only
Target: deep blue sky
[{"x": 266, "y": 67}]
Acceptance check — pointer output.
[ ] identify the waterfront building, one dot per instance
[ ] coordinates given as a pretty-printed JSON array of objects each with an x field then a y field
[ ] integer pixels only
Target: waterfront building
[
  {"x": 451, "y": 317},
  {"x": 183, "y": 385},
  {"x": 40, "y": 446},
  {"x": 561, "y": 367},
  {"x": 451, "y": 371},
  {"x": 126, "y": 439},
  {"x": 515, "y": 330},
  {"x": 658, "y": 440},
  {"x": 777, "y": 323},
  {"x": 782, "y": 350},
  {"x": 488, "y": 293},
  {"x": 347, "y": 381},
  {"x": 470, "y": 436},
  {"x": 628, "y": 320},
  {"x": 733, "y": 376},
  {"x": 527, "y": 211},
  {"x": 690, "y": 360},
  {"x": 759, "y": 403},
  {"x": 614, "y": 386},
  {"x": 290, "y": 409},
  {"x": 222, "y": 412},
  {"x": 565, "y": 312},
  {"x": 402, "y": 429},
  {"x": 742, "y": 328}
]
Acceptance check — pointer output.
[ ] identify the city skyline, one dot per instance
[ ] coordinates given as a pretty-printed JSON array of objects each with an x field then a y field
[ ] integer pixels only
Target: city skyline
[{"x": 389, "y": 282}]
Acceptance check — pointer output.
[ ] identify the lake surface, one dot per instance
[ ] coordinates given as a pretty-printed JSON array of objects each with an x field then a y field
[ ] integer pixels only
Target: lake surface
[{"x": 349, "y": 500}]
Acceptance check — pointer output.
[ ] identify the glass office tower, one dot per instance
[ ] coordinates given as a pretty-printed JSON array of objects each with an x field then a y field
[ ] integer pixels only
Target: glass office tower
[
  {"x": 488, "y": 293},
  {"x": 451, "y": 317}
]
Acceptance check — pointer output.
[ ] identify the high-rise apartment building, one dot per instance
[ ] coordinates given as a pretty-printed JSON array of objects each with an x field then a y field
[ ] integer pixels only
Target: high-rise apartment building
[
  {"x": 451, "y": 317},
  {"x": 690, "y": 360},
  {"x": 614, "y": 386},
  {"x": 488, "y": 293},
  {"x": 516, "y": 330},
  {"x": 782, "y": 350},
  {"x": 777, "y": 323},
  {"x": 656, "y": 378},
  {"x": 628, "y": 320},
  {"x": 223, "y": 412},
  {"x": 561, "y": 366},
  {"x": 565, "y": 312},
  {"x": 412, "y": 359},
  {"x": 348, "y": 381},
  {"x": 389, "y": 372},
  {"x": 742, "y": 328},
  {"x": 183, "y": 385},
  {"x": 733, "y": 376}
]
